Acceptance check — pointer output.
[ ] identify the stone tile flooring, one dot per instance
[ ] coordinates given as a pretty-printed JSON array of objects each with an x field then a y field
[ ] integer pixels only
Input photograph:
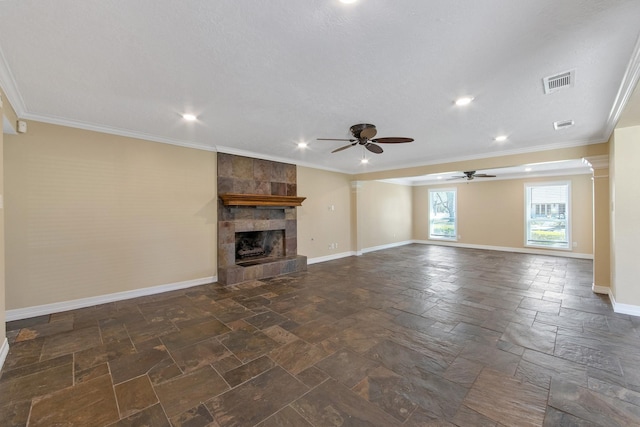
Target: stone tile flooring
[{"x": 416, "y": 336}]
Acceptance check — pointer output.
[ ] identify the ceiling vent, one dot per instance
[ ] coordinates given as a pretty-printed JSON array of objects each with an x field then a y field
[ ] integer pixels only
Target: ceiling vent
[
  {"x": 563, "y": 124},
  {"x": 559, "y": 81}
]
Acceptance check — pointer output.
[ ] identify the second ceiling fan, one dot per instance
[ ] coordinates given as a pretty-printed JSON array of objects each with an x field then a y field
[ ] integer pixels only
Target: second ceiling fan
[
  {"x": 363, "y": 134},
  {"x": 469, "y": 175}
]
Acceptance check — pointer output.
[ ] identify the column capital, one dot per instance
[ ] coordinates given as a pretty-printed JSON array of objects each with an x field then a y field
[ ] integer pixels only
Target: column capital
[{"x": 598, "y": 162}]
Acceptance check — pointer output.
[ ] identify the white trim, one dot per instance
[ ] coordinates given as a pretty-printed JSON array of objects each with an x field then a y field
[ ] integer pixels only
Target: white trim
[
  {"x": 502, "y": 177},
  {"x": 597, "y": 162},
  {"x": 4, "y": 351},
  {"x": 632, "y": 310},
  {"x": 115, "y": 131},
  {"x": 627, "y": 86},
  {"x": 603, "y": 290},
  {"x": 458, "y": 245},
  {"x": 508, "y": 249},
  {"x": 8, "y": 84},
  {"x": 56, "y": 307},
  {"x": 319, "y": 259},
  {"x": 387, "y": 246},
  {"x": 527, "y": 150}
]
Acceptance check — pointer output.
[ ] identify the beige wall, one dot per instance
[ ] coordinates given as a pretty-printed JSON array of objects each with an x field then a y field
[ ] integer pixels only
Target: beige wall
[
  {"x": 491, "y": 213},
  {"x": 318, "y": 225},
  {"x": 384, "y": 214},
  {"x": 3, "y": 335},
  {"x": 625, "y": 228},
  {"x": 92, "y": 214},
  {"x": 601, "y": 231}
]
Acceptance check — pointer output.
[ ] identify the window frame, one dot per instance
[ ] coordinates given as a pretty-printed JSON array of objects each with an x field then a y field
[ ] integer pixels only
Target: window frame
[
  {"x": 567, "y": 215},
  {"x": 454, "y": 238}
]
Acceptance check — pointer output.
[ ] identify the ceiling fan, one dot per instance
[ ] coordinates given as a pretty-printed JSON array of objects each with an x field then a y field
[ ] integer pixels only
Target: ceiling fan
[
  {"x": 363, "y": 134},
  {"x": 469, "y": 175}
]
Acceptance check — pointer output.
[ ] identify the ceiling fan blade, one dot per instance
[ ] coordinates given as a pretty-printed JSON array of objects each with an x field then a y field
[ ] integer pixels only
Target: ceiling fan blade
[
  {"x": 483, "y": 175},
  {"x": 456, "y": 177},
  {"x": 343, "y": 148},
  {"x": 392, "y": 140},
  {"x": 368, "y": 133},
  {"x": 373, "y": 148},
  {"x": 335, "y": 139}
]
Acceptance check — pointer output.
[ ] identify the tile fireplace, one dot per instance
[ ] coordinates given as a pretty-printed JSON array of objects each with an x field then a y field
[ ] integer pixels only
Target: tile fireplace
[{"x": 257, "y": 226}]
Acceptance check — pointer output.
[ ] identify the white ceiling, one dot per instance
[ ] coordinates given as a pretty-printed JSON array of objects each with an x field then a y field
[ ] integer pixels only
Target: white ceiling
[{"x": 264, "y": 75}]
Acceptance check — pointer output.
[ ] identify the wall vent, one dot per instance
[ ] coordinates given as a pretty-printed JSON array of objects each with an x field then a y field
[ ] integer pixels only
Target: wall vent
[
  {"x": 559, "y": 81},
  {"x": 563, "y": 124}
]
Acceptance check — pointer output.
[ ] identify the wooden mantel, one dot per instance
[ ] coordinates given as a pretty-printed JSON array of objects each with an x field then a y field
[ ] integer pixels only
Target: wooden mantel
[{"x": 232, "y": 199}]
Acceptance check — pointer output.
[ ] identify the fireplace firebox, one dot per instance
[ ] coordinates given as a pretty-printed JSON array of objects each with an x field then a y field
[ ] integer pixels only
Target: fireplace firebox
[{"x": 258, "y": 245}]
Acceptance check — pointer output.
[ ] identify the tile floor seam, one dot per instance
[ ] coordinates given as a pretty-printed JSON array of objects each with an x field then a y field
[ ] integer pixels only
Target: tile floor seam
[{"x": 115, "y": 396}]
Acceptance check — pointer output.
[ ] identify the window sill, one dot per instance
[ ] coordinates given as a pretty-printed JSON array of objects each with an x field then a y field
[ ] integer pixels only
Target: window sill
[
  {"x": 554, "y": 247},
  {"x": 446, "y": 239}
]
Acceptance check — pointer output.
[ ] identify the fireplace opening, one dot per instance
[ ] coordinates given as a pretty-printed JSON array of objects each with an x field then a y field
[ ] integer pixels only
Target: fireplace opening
[{"x": 259, "y": 245}]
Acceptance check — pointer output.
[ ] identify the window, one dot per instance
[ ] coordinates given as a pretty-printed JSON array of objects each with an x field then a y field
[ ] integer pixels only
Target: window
[
  {"x": 547, "y": 215},
  {"x": 442, "y": 214}
]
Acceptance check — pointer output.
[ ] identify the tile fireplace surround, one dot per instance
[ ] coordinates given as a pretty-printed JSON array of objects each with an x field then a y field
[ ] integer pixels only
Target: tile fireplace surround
[{"x": 245, "y": 175}]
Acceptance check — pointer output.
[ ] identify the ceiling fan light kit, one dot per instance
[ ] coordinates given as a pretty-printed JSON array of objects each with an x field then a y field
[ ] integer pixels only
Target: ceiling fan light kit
[{"x": 363, "y": 134}]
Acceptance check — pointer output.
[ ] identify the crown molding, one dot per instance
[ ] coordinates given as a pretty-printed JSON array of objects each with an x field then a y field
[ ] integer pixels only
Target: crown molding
[
  {"x": 598, "y": 162},
  {"x": 536, "y": 149},
  {"x": 627, "y": 86},
  {"x": 10, "y": 88},
  {"x": 115, "y": 131}
]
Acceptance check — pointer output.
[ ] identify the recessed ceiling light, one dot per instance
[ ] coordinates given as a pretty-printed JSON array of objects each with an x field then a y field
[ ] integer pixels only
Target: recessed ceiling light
[
  {"x": 348, "y": 1},
  {"x": 189, "y": 117},
  {"x": 364, "y": 161},
  {"x": 302, "y": 145},
  {"x": 528, "y": 169},
  {"x": 465, "y": 100},
  {"x": 439, "y": 177},
  {"x": 500, "y": 138}
]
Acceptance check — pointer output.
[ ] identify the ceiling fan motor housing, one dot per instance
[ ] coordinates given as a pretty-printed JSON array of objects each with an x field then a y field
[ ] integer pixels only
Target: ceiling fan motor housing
[{"x": 356, "y": 130}]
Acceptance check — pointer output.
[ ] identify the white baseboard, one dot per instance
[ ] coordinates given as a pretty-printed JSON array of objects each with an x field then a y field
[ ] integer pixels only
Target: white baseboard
[
  {"x": 604, "y": 290},
  {"x": 56, "y": 307},
  {"x": 357, "y": 253},
  {"x": 387, "y": 246},
  {"x": 330, "y": 257},
  {"x": 4, "y": 351},
  {"x": 631, "y": 310},
  {"x": 532, "y": 251}
]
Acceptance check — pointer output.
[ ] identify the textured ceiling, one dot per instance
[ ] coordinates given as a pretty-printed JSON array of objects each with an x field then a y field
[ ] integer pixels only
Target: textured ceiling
[{"x": 263, "y": 75}]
